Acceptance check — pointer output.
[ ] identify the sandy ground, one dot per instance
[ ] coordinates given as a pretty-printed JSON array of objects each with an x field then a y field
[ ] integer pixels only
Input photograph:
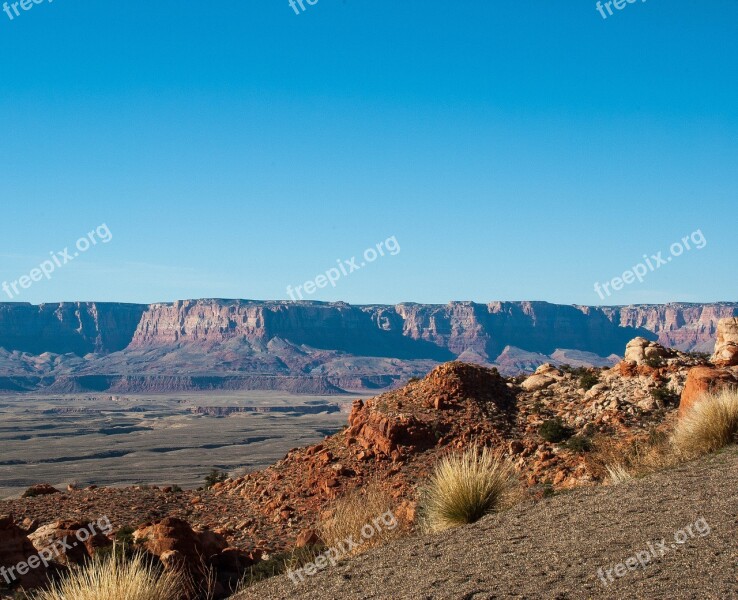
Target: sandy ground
[{"x": 554, "y": 548}]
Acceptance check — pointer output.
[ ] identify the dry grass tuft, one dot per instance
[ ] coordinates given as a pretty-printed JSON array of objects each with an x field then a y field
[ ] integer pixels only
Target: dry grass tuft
[
  {"x": 349, "y": 514},
  {"x": 117, "y": 578},
  {"x": 615, "y": 460},
  {"x": 617, "y": 474},
  {"x": 710, "y": 425},
  {"x": 466, "y": 487}
]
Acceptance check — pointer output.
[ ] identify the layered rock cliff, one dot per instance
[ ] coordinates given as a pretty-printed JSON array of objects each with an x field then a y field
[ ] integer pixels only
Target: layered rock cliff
[
  {"x": 76, "y": 327},
  {"x": 242, "y": 343}
]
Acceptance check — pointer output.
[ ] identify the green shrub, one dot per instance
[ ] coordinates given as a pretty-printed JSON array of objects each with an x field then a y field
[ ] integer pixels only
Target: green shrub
[
  {"x": 578, "y": 443},
  {"x": 555, "y": 431},
  {"x": 655, "y": 362},
  {"x": 214, "y": 477},
  {"x": 588, "y": 380},
  {"x": 125, "y": 535},
  {"x": 665, "y": 396}
]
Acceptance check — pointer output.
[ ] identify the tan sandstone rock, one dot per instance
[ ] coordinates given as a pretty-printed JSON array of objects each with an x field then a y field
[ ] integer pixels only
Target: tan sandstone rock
[
  {"x": 726, "y": 346},
  {"x": 639, "y": 350}
]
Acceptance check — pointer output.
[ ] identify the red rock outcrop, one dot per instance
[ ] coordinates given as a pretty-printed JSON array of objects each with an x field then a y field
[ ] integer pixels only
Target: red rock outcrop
[
  {"x": 179, "y": 546},
  {"x": 83, "y": 537},
  {"x": 16, "y": 548},
  {"x": 702, "y": 380}
]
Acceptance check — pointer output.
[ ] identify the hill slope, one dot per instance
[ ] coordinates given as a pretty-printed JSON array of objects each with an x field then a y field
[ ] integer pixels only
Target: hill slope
[{"x": 554, "y": 548}]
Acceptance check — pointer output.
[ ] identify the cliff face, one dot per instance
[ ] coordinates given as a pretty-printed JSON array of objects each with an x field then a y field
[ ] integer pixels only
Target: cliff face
[
  {"x": 438, "y": 332},
  {"x": 681, "y": 326},
  {"x": 374, "y": 343},
  {"x": 76, "y": 327}
]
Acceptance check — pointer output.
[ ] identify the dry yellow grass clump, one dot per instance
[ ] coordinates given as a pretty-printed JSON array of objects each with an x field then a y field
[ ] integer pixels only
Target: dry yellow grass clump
[
  {"x": 465, "y": 487},
  {"x": 711, "y": 424},
  {"x": 117, "y": 578},
  {"x": 359, "y": 511}
]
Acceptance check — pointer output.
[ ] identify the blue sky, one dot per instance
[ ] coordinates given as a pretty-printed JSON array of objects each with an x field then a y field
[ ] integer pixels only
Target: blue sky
[{"x": 515, "y": 150}]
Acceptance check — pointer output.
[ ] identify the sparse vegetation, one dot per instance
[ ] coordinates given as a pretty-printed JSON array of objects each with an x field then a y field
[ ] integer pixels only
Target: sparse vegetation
[
  {"x": 637, "y": 457},
  {"x": 555, "y": 431},
  {"x": 655, "y": 362},
  {"x": 617, "y": 474},
  {"x": 114, "y": 578},
  {"x": 578, "y": 443},
  {"x": 353, "y": 511},
  {"x": 710, "y": 425},
  {"x": 465, "y": 487},
  {"x": 279, "y": 564},
  {"x": 124, "y": 535},
  {"x": 705, "y": 356},
  {"x": 665, "y": 396},
  {"x": 588, "y": 380},
  {"x": 215, "y": 476}
]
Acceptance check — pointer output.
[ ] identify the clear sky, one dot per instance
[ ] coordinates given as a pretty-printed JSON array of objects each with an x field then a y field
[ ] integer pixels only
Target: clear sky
[{"x": 515, "y": 150}]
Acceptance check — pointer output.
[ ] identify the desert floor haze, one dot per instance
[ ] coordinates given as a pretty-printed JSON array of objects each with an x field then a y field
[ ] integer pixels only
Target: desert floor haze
[{"x": 389, "y": 300}]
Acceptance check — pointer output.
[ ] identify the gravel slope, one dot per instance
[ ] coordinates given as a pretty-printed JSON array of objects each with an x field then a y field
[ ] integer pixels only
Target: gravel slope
[{"x": 553, "y": 549}]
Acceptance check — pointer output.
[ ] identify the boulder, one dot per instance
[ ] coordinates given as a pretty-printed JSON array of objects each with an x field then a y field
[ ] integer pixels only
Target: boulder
[
  {"x": 537, "y": 382},
  {"x": 83, "y": 540},
  {"x": 726, "y": 345},
  {"x": 308, "y": 537},
  {"x": 702, "y": 380},
  {"x": 40, "y": 489},
  {"x": 549, "y": 370},
  {"x": 16, "y": 548},
  {"x": 196, "y": 551},
  {"x": 640, "y": 350},
  {"x": 172, "y": 534}
]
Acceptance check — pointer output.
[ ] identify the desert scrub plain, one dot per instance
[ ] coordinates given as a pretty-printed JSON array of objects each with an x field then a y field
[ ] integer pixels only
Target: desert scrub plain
[{"x": 153, "y": 438}]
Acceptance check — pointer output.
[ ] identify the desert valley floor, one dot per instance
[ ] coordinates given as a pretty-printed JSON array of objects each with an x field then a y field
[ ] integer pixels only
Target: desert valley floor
[{"x": 167, "y": 439}]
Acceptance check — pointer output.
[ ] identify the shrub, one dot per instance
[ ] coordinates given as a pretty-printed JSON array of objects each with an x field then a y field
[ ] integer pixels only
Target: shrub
[
  {"x": 665, "y": 396},
  {"x": 704, "y": 356},
  {"x": 465, "y": 487},
  {"x": 578, "y": 443},
  {"x": 214, "y": 477},
  {"x": 351, "y": 512},
  {"x": 711, "y": 424},
  {"x": 588, "y": 380},
  {"x": 555, "y": 431},
  {"x": 125, "y": 535},
  {"x": 114, "y": 578},
  {"x": 655, "y": 362}
]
